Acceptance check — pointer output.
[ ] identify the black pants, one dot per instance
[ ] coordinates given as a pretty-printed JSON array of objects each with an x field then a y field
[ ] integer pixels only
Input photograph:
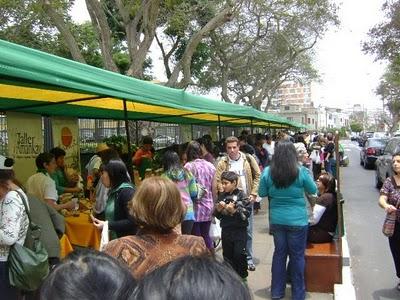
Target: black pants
[
  {"x": 234, "y": 249},
  {"x": 394, "y": 243},
  {"x": 316, "y": 169},
  {"x": 318, "y": 235},
  {"x": 6, "y": 291},
  {"x": 186, "y": 226}
]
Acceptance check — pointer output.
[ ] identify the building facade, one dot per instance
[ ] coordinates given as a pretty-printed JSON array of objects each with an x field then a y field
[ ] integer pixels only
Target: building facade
[{"x": 292, "y": 93}]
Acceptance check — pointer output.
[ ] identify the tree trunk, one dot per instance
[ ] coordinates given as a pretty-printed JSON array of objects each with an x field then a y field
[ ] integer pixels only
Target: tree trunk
[
  {"x": 140, "y": 32},
  {"x": 184, "y": 64},
  {"x": 100, "y": 25},
  {"x": 64, "y": 30}
]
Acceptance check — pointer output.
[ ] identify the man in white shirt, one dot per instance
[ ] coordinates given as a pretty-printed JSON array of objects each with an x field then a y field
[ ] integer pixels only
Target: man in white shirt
[
  {"x": 42, "y": 186},
  {"x": 269, "y": 145}
]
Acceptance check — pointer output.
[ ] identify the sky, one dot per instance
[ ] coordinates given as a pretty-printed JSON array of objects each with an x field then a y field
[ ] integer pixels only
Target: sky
[{"x": 348, "y": 76}]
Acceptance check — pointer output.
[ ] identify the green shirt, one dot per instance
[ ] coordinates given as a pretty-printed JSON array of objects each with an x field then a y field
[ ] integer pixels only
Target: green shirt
[
  {"x": 110, "y": 206},
  {"x": 61, "y": 181}
]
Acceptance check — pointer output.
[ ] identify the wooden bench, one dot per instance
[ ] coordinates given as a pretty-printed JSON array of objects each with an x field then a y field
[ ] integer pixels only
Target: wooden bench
[{"x": 323, "y": 266}]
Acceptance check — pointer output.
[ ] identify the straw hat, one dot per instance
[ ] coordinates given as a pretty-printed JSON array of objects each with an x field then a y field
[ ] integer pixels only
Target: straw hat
[{"x": 101, "y": 147}]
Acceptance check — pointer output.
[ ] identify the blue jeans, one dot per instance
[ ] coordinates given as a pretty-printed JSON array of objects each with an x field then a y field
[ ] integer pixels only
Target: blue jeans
[
  {"x": 249, "y": 243},
  {"x": 329, "y": 165},
  {"x": 289, "y": 241}
]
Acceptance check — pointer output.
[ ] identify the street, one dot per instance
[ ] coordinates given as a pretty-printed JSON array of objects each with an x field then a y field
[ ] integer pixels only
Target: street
[{"x": 372, "y": 266}]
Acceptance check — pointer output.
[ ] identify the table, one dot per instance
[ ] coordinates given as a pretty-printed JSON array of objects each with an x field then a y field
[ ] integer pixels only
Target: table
[
  {"x": 82, "y": 232},
  {"x": 65, "y": 246}
]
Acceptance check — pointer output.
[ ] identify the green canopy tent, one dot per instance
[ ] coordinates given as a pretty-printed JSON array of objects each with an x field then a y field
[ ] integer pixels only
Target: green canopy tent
[{"x": 36, "y": 82}]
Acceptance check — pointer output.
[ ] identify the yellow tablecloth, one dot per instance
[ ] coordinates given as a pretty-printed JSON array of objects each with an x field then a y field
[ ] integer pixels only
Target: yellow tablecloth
[
  {"x": 65, "y": 246},
  {"x": 81, "y": 231}
]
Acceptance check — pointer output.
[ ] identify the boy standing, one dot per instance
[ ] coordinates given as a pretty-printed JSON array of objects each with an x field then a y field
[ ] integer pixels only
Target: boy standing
[{"x": 233, "y": 209}]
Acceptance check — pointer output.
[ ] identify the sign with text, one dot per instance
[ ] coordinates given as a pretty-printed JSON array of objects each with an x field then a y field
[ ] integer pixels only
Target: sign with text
[
  {"x": 25, "y": 142},
  {"x": 66, "y": 136}
]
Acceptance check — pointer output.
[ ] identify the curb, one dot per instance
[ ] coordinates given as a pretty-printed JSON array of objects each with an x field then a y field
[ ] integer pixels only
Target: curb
[{"x": 346, "y": 290}]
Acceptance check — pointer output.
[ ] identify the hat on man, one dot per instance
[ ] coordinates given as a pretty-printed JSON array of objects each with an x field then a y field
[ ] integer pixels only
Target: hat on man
[
  {"x": 101, "y": 147},
  {"x": 6, "y": 163}
]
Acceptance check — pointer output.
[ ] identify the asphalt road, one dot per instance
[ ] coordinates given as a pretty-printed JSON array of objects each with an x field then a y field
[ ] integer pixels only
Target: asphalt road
[{"x": 372, "y": 265}]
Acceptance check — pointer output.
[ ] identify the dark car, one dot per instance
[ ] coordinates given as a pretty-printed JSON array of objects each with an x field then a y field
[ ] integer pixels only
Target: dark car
[
  {"x": 384, "y": 162},
  {"x": 364, "y": 137},
  {"x": 373, "y": 148}
]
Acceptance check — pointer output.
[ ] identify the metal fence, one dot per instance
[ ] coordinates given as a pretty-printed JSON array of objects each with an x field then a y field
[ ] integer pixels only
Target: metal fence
[{"x": 94, "y": 131}]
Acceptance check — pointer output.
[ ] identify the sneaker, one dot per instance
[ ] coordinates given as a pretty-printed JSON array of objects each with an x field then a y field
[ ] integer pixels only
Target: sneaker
[
  {"x": 398, "y": 286},
  {"x": 251, "y": 266}
]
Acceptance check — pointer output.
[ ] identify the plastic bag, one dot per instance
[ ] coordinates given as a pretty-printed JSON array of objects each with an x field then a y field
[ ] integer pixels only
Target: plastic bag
[{"x": 215, "y": 230}]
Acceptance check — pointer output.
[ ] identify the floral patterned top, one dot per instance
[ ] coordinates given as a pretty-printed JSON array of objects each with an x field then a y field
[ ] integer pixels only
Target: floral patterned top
[
  {"x": 149, "y": 250},
  {"x": 13, "y": 222},
  {"x": 204, "y": 173},
  {"x": 392, "y": 191}
]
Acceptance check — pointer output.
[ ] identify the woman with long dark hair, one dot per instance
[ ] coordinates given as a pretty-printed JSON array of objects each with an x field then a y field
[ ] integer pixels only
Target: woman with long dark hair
[
  {"x": 204, "y": 173},
  {"x": 284, "y": 183},
  {"x": 13, "y": 222},
  {"x": 325, "y": 215},
  {"x": 207, "y": 148},
  {"x": 115, "y": 176},
  {"x": 389, "y": 200},
  {"x": 185, "y": 182}
]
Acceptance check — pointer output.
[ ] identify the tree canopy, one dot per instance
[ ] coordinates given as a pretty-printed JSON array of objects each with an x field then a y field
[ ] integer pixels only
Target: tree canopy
[
  {"x": 384, "y": 44},
  {"x": 243, "y": 48}
]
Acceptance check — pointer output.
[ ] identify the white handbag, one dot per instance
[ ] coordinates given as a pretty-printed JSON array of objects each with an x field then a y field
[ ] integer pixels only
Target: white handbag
[{"x": 215, "y": 230}]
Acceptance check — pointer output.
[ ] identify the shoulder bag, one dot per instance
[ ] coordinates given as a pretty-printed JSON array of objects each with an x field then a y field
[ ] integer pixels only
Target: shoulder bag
[
  {"x": 201, "y": 189},
  {"x": 390, "y": 219},
  {"x": 28, "y": 265}
]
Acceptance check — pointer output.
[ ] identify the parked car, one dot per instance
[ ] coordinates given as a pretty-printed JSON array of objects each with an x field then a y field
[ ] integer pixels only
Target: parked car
[
  {"x": 380, "y": 135},
  {"x": 162, "y": 141},
  {"x": 373, "y": 148},
  {"x": 364, "y": 137},
  {"x": 384, "y": 162}
]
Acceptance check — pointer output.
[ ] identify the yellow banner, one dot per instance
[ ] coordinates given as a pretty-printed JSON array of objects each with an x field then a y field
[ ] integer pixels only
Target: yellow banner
[
  {"x": 25, "y": 142},
  {"x": 66, "y": 136}
]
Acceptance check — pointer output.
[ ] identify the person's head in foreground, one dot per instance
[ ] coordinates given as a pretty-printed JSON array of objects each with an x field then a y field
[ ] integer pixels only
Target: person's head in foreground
[
  {"x": 88, "y": 274},
  {"x": 157, "y": 205},
  {"x": 194, "y": 278}
]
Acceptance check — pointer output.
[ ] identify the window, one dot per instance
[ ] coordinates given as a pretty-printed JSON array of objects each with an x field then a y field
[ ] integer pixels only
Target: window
[
  {"x": 287, "y": 107},
  {"x": 308, "y": 120}
]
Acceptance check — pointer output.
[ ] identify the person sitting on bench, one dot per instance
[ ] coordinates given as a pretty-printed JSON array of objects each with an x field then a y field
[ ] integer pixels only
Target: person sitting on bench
[{"x": 325, "y": 217}]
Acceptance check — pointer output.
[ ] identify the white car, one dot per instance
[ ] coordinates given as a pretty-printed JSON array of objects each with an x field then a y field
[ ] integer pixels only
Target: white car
[
  {"x": 380, "y": 135},
  {"x": 162, "y": 141}
]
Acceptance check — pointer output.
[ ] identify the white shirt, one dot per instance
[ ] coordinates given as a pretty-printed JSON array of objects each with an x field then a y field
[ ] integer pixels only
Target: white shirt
[
  {"x": 13, "y": 222},
  {"x": 93, "y": 164},
  {"x": 42, "y": 187},
  {"x": 237, "y": 167},
  {"x": 270, "y": 148},
  {"x": 101, "y": 197}
]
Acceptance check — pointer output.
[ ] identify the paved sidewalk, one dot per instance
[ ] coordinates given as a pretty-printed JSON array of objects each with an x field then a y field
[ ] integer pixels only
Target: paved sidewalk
[{"x": 259, "y": 281}]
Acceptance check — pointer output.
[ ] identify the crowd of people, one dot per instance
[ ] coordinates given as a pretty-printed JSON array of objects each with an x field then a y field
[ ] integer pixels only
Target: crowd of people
[{"x": 160, "y": 229}]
